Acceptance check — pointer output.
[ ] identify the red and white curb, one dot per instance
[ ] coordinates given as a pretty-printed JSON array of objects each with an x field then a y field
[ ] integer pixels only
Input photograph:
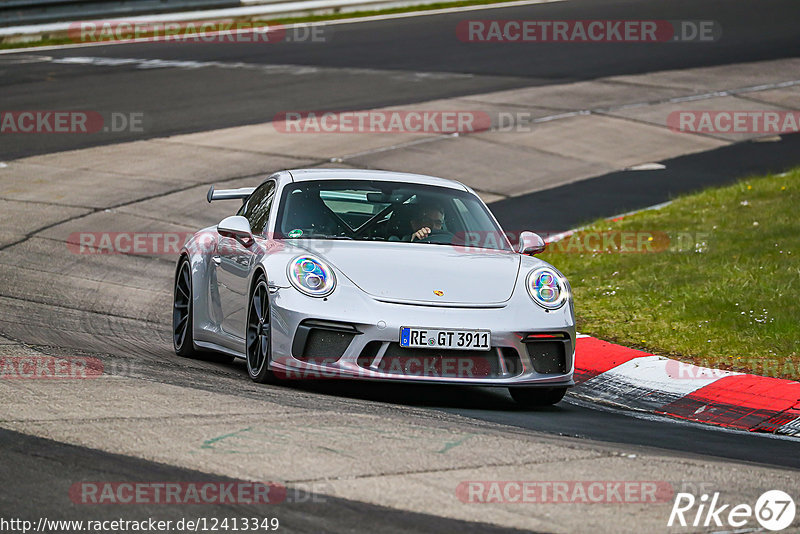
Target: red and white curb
[{"x": 636, "y": 380}]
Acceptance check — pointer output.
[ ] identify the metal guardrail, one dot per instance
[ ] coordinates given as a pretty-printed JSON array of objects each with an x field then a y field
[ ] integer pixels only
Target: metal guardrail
[{"x": 21, "y": 12}]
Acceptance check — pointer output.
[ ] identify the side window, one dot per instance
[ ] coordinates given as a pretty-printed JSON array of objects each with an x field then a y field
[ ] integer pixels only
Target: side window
[{"x": 257, "y": 208}]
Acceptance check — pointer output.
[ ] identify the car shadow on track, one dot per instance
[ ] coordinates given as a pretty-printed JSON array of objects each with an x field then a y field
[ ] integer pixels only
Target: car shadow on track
[
  {"x": 420, "y": 395},
  {"x": 438, "y": 396}
]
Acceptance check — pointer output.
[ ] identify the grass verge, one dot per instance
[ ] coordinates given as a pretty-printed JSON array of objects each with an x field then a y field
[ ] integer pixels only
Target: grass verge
[{"x": 721, "y": 289}]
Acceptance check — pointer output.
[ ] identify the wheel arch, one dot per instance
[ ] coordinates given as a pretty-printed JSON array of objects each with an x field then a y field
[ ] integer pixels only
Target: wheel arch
[
  {"x": 204, "y": 313},
  {"x": 183, "y": 256},
  {"x": 257, "y": 272}
]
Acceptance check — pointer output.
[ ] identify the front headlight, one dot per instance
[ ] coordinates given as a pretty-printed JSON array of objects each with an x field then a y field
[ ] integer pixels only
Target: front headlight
[
  {"x": 311, "y": 276},
  {"x": 547, "y": 288}
]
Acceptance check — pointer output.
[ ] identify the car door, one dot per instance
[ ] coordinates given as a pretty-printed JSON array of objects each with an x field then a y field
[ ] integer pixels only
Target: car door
[{"x": 236, "y": 259}]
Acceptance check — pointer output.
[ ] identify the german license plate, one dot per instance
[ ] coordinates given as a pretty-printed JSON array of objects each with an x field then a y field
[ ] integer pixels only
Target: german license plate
[{"x": 431, "y": 338}]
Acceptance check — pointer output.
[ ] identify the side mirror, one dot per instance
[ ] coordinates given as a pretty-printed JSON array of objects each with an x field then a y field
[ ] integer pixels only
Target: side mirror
[
  {"x": 530, "y": 244},
  {"x": 237, "y": 227}
]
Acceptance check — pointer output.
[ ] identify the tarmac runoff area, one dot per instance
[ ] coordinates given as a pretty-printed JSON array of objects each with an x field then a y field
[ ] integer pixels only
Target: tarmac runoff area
[{"x": 201, "y": 415}]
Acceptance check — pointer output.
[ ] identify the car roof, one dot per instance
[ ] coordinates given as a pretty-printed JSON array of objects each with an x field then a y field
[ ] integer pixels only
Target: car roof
[{"x": 301, "y": 175}]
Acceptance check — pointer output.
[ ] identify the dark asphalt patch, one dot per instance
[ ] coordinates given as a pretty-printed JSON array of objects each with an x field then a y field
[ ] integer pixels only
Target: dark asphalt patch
[{"x": 569, "y": 206}]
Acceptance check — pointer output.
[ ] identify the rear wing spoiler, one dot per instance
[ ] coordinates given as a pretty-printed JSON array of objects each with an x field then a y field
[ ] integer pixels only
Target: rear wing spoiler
[{"x": 229, "y": 194}]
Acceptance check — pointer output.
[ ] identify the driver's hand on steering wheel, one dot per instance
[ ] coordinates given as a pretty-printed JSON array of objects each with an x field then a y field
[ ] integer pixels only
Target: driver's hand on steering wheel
[{"x": 422, "y": 233}]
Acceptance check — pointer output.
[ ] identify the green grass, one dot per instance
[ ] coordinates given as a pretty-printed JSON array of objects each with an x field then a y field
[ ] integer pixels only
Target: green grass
[
  {"x": 729, "y": 297},
  {"x": 62, "y": 38}
]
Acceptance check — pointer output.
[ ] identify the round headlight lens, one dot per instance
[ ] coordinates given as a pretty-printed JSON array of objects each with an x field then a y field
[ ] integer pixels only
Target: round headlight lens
[
  {"x": 311, "y": 276},
  {"x": 547, "y": 288}
]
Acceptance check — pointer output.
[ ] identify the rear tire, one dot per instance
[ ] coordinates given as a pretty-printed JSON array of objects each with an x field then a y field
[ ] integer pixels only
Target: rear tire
[
  {"x": 183, "y": 318},
  {"x": 529, "y": 397},
  {"x": 182, "y": 313}
]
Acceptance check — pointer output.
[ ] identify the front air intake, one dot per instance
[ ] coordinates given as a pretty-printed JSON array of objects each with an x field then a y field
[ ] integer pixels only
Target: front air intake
[
  {"x": 548, "y": 352},
  {"x": 322, "y": 340}
]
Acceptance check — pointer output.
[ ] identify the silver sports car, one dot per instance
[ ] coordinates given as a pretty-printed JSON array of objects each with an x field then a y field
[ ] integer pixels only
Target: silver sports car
[{"x": 379, "y": 276}]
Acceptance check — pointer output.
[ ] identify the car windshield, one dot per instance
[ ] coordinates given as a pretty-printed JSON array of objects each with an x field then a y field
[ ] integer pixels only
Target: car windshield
[{"x": 386, "y": 211}]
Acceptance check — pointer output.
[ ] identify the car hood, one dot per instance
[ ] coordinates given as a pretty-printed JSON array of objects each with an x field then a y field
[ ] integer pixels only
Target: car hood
[{"x": 418, "y": 272}]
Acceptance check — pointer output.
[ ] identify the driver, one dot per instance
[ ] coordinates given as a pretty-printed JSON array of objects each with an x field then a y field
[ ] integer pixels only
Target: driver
[{"x": 429, "y": 217}]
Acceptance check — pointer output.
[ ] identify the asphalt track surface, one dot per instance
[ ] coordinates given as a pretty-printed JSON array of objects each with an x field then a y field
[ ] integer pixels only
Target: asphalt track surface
[
  {"x": 40, "y": 465},
  {"x": 44, "y": 468},
  {"x": 182, "y": 100}
]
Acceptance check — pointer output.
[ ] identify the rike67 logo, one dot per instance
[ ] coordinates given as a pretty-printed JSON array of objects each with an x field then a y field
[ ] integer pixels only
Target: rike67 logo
[{"x": 774, "y": 510}]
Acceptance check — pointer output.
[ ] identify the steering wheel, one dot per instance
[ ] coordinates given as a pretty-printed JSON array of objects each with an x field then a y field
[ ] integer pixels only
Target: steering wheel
[{"x": 438, "y": 236}]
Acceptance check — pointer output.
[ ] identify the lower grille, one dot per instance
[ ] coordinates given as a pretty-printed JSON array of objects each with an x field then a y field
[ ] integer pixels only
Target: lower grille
[{"x": 441, "y": 363}]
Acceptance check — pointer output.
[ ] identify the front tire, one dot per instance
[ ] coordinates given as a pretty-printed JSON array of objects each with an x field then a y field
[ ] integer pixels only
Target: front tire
[
  {"x": 182, "y": 312},
  {"x": 259, "y": 333},
  {"x": 537, "y": 397}
]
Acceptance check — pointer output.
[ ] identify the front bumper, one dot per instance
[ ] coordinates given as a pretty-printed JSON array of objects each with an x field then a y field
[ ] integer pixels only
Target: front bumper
[{"x": 371, "y": 352}]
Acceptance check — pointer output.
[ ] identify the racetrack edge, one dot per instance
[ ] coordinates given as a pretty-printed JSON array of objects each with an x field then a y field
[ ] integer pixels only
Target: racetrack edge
[{"x": 636, "y": 380}]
